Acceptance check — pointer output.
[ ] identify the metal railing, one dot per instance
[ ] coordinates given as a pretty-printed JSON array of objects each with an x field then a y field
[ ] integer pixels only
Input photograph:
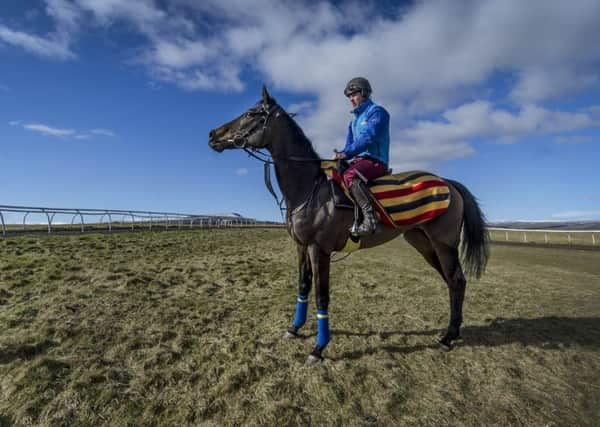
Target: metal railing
[
  {"x": 129, "y": 219},
  {"x": 549, "y": 236},
  {"x": 132, "y": 220}
]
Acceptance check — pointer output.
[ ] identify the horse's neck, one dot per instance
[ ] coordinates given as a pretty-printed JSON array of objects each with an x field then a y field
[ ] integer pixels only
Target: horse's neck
[{"x": 296, "y": 175}]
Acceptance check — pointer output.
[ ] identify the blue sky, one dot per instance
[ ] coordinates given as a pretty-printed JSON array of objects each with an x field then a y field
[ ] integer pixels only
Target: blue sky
[{"x": 108, "y": 104}]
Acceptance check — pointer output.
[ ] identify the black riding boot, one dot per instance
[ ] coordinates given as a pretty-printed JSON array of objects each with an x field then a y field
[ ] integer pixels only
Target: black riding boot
[{"x": 360, "y": 192}]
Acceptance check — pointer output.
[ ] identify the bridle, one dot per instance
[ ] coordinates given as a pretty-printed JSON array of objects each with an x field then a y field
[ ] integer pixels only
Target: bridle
[{"x": 240, "y": 140}]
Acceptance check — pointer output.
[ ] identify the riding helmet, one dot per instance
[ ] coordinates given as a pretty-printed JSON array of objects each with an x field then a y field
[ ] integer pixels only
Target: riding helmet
[{"x": 358, "y": 84}]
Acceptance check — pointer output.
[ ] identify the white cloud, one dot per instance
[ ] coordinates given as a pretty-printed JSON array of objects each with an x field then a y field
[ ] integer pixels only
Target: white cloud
[
  {"x": 418, "y": 51},
  {"x": 241, "y": 172},
  {"x": 538, "y": 83},
  {"x": 225, "y": 79},
  {"x": 60, "y": 132},
  {"x": 56, "y": 44},
  {"x": 300, "y": 107},
  {"x": 52, "y": 47},
  {"x": 47, "y": 130},
  {"x": 144, "y": 14},
  {"x": 179, "y": 54},
  {"x": 480, "y": 119},
  {"x": 67, "y": 16},
  {"x": 428, "y": 142},
  {"x": 103, "y": 132},
  {"x": 423, "y": 59}
]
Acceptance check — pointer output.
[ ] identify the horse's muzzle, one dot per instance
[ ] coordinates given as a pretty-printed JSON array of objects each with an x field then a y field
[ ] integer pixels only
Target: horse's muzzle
[
  {"x": 216, "y": 145},
  {"x": 214, "y": 142}
]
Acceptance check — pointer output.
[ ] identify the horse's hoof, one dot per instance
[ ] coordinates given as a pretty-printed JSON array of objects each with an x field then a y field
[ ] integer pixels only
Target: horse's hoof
[
  {"x": 445, "y": 347},
  {"x": 289, "y": 335},
  {"x": 312, "y": 360}
]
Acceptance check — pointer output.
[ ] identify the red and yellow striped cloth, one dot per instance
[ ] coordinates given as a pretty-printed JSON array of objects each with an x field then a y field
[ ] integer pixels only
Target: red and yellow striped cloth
[
  {"x": 406, "y": 198},
  {"x": 410, "y": 198}
]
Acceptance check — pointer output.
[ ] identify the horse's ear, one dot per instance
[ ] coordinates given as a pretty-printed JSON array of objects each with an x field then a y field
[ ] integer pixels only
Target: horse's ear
[{"x": 266, "y": 97}]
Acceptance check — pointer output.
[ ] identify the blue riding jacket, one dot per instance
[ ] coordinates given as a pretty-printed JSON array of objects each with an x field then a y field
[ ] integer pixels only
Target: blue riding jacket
[{"x": 369, "y": 133}]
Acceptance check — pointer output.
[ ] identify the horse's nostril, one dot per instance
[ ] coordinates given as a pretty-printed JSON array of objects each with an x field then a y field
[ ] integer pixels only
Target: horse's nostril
[{"x": 211, "y": 133}]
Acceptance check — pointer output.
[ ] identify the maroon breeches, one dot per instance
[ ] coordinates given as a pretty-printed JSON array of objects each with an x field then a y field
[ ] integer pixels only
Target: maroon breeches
[{"x": 368, "y": 168}]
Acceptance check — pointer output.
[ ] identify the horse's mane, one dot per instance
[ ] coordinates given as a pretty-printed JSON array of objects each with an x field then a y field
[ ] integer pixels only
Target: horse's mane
[{"x": 299, "y": 134}]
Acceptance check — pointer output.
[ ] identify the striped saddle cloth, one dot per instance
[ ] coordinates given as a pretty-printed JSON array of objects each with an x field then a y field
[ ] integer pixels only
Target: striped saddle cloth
[{"x": 402, "y": 199}]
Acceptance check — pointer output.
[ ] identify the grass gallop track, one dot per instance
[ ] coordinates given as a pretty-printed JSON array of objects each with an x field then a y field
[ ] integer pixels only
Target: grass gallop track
[{"x": 184, "y": 329}]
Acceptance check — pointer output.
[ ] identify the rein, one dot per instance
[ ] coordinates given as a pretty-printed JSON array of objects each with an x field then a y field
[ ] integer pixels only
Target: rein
[
  {"x": 267, "y": 176},
  {"x": 241, "y": 141}
]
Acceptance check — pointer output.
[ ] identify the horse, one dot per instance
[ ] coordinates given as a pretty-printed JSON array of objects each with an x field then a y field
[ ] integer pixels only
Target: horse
[{"x": 319, "y": 228}]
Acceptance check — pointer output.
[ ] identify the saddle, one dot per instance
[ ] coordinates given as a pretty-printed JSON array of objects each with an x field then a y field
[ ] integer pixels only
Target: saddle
[{"x": 401, "y": 199}]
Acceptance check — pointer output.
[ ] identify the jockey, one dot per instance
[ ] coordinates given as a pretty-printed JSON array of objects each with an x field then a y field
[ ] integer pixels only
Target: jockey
[{"x": 367, "y": 149}]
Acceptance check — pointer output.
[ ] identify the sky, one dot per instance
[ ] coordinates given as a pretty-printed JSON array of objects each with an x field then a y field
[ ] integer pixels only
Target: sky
[{"x": 108, "y": 103}]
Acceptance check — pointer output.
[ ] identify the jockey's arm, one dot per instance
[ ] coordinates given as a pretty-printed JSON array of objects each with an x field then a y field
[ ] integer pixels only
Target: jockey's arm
[
  {"x": 349, "y": 140},
  {"x": 369, "y": 135}
]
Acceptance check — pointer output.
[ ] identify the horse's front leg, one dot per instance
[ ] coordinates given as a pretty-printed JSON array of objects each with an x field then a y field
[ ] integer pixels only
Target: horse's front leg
[
  {"x": 304, "y": 285},
  {"x": 320, "y": 262}
]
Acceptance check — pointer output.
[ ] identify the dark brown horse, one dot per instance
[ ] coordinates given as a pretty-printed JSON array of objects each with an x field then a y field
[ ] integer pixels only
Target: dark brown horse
[{"x": 319, "y": 228}]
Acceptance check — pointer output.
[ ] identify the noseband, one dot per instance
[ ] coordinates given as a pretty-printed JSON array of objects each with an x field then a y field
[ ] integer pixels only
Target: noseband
[{"x": 240, "y": 140}]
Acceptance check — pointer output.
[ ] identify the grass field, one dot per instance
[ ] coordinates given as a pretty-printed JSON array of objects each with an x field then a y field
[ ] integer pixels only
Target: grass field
[{"x": 183, "y": 328}]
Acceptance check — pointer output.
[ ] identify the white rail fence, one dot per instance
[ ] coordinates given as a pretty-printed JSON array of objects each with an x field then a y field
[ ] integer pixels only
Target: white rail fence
[
  {"x": 585, "y": 237},
  {"x": 112, "y": 219}
]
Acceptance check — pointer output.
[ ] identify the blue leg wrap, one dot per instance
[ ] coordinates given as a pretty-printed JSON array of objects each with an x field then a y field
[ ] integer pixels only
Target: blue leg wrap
[
  {"x": 322, "y": 328},
  {"x": 301, "y": 308}
]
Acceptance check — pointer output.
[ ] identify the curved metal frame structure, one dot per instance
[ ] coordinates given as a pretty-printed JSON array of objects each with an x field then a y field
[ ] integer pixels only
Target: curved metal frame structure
[
  {"x": 82, "y": 222},
  {"x": 153, "y": 219},
  {"x": 107, "y": 213}
]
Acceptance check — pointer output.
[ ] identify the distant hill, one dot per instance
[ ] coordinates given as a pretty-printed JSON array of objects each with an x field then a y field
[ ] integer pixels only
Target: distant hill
[{"x": 547, "y": 225}]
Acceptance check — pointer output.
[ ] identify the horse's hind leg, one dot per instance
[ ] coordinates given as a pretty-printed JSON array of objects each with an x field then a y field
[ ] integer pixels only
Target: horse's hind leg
[
  {"x": 453, "y": 274},
  {"x": 304, "y": 286},
  {"x": 445, "y": 260},
  {"x": 421, "y": 243}
]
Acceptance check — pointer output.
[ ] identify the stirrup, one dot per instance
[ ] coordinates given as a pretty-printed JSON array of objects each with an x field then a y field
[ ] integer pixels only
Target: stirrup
[
  {"x": 367, "y": 227},
  {"x": 366, "y": 230}
]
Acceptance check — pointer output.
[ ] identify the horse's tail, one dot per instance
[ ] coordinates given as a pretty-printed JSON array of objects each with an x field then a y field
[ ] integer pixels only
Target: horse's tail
[{"x": 475, "y": 237}]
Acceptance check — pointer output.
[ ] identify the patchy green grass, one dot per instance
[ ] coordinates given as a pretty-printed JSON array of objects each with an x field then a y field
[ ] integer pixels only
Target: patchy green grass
[{"x": 183, "y": 328}]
